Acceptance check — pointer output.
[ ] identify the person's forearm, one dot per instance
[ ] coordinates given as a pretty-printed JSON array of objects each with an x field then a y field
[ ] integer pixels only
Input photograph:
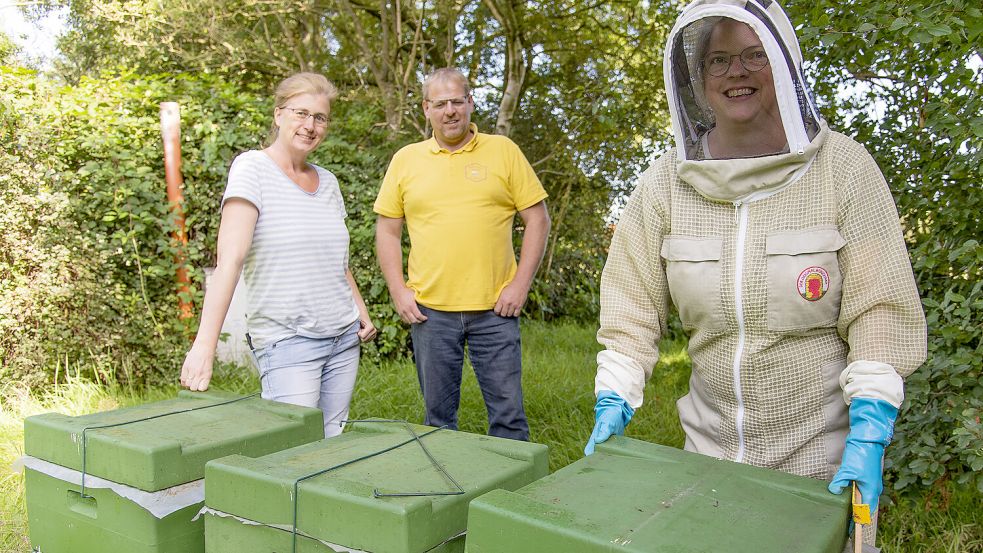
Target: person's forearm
[
  {"x": 218, "y": 297},
  {"x": 363, "y": 311},
  {"x": 533, "y": 247},
  {"x": 234, "y": 240},
  {"x": 390, "y": 254}
]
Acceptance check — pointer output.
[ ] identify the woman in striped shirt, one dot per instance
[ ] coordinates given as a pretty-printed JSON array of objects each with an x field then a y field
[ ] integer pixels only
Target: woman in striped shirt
[{"x": 283, "y": 228}]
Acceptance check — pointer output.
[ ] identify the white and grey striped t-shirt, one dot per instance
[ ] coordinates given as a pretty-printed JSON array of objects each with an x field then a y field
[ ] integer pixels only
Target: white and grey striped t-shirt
[{"x": 295, "y": 269}]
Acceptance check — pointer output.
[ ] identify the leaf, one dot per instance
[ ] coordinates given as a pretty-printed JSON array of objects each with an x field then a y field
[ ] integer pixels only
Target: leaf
[
  {"x": 865, "y": 28},
  {"x": 938, "y": 30},
  {"x": 918, "y": 465},
  {"x": 921, "y": 36},
  {"x": 899, "y": 23},
  {"x": 829, "y": 39}
]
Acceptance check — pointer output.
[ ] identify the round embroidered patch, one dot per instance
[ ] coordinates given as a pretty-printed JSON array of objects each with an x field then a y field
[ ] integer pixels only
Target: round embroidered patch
[{"x": 813, "y": 283}]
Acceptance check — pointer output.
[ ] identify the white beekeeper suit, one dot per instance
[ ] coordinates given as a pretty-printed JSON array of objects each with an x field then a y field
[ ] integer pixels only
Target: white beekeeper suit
[{"x": 789, "y": 270}]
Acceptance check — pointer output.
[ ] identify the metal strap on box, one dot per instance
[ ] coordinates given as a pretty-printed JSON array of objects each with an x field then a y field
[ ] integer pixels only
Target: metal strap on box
[
  {"x": 375, "y": 492},
  {"x": 178, "y": 412}
]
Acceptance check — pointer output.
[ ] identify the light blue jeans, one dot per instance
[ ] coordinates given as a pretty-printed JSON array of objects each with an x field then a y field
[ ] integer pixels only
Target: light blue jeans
[{"x": 313, "y": 372}]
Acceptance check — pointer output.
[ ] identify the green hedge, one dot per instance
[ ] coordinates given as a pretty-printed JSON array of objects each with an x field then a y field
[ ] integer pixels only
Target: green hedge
[{"x": 88, "y": 263}]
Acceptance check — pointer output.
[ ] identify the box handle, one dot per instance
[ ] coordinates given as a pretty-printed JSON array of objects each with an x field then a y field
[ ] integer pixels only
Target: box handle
[{"x": 84, "y": 505}]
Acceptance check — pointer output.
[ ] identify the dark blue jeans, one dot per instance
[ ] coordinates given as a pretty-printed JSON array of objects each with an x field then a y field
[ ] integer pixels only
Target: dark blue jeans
[{"x": 495, "y": 350}]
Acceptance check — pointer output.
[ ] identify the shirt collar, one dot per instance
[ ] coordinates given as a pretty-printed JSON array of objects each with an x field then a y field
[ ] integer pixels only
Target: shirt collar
[{"x": 436, "y": 148}]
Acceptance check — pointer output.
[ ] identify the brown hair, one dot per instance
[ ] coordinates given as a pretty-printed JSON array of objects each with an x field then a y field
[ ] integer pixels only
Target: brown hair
[{"x": 295, "y": 85}]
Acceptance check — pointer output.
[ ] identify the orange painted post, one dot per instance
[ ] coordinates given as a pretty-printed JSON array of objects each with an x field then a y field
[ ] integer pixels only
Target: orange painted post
[{"x": 170, "y": 128}]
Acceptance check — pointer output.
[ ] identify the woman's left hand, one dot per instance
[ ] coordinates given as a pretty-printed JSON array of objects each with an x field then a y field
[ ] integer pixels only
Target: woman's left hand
[{"x": 367, "y": 331}]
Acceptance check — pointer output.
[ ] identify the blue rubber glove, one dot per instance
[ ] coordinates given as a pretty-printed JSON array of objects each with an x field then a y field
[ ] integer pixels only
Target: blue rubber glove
[
  {"x": 871, "y": 429},
  {"x": 611, "y": 416}
]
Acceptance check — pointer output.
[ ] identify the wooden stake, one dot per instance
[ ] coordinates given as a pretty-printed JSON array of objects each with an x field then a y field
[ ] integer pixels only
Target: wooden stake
[
  {"x": 170, "y": 126},
  {"x": 858, "y": 528}
]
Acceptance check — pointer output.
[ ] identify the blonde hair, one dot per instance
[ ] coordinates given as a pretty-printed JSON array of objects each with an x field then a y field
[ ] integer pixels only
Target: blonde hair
[
  {"x": 446, "y": 74},
  {"x": 295, "y": 85}
]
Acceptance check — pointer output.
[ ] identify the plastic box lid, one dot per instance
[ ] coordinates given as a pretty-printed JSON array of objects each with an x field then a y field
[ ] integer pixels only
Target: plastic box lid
[
  {"x": 163, "y": 452},
  {"x": 340, "y": 506},
  {"x": 637, "y": 496}
]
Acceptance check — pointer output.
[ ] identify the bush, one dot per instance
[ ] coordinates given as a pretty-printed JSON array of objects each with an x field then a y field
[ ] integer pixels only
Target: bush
[
  {"x": 920, "y": 119},
  {"x": 52, "y": 303},
  {"x": 87, "y": 260}
]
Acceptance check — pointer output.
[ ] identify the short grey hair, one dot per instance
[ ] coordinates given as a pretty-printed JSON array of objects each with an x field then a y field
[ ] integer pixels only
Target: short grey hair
[{"x": 445, "y": 74}]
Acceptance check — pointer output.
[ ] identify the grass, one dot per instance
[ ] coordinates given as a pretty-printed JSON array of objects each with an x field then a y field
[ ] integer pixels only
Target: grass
[
  {"x": 77, "y": 396},
  {"x": 558, "y": 386},
  {"x": 558, "y": 376}
]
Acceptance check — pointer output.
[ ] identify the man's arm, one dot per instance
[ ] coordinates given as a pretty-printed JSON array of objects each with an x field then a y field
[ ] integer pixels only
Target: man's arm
[
  {"x": 537, "y": 222},
  {"x": 389, "y": 250}
]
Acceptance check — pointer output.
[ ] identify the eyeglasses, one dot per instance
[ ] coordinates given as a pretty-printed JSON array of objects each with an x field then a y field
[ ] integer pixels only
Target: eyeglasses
[
  {"x": 753, "y": 58},
  {"x": 454, "y": 102},
  {"x": 320, "y": 119}
]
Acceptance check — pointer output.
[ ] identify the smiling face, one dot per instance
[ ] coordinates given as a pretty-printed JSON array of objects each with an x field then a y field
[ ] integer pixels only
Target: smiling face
[
  {"x": 739, "y": 97},
  {"x": 450, "y": 120},
  {"x": 302, "y": 136}
]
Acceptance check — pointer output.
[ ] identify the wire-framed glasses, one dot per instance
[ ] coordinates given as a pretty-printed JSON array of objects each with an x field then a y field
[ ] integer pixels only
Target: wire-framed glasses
[
  {"x": 454, "y": 102},
  {"x": 320, "y": 119},
  {"x": 753, "y": 58}
]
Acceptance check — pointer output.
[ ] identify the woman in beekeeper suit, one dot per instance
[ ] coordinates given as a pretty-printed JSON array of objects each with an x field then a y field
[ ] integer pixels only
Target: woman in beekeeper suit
[{"x": 779, "y": 244}]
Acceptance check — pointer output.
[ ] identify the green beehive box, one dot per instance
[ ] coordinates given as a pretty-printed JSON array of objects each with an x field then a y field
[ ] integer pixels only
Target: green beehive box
[
  {"x": 62, "y": 521},
  {"x": 155, "y": 459},
  {"x": 339, "y": 510},
  {"x": 637, "y": 496}
]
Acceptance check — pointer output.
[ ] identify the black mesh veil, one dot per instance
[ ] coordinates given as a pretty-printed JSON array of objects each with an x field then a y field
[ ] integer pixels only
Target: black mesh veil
[{"x": 685, "y": 75}]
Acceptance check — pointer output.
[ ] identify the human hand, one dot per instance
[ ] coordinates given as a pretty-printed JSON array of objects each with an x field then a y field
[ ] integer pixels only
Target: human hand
[
  {"x": 406, "y": 307},
  {"x": 196, "y": 372},
  {"x": 511, "y": 300},
  {"x": 611, "y": 415},
  {"x": 366, "y": 330},
  {"x": 871, "y": 429}
]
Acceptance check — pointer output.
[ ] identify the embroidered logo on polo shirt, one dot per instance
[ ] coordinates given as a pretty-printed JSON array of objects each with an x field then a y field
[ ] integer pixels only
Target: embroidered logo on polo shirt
[
  {"x": 813, "y": 283},
  {"x": 475, "y": 172}
]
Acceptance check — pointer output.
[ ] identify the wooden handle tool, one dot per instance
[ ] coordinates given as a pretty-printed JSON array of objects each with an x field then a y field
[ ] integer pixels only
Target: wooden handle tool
[{"x": 861, "y": 517}]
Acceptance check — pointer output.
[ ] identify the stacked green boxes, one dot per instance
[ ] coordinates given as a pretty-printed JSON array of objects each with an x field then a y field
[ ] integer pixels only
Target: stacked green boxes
[
  {"x": 163, "y": 455},
  {"x": 339, "y": 510},
  {"x": 636, "y": 496}
]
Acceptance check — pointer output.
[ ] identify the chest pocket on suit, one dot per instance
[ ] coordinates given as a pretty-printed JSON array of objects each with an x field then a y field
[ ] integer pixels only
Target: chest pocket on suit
[
  {"x": 693, "y": 272},
  {"x": 804, "y": 281}
]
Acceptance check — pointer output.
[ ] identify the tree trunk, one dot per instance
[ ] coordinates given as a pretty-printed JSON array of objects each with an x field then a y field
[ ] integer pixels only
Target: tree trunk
[
  {"x": 516, "y": 63},
  {"x": 379, "y": 62},
  {"x": 515, "y": 76}
]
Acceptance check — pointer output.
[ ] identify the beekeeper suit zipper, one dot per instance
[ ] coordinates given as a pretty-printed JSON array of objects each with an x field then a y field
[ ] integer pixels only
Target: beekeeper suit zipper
[{"x": 741, "y": 214}]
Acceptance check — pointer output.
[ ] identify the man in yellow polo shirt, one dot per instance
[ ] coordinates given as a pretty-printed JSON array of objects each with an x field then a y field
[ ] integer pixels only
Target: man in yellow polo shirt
[{"x": 458, "y": 193}]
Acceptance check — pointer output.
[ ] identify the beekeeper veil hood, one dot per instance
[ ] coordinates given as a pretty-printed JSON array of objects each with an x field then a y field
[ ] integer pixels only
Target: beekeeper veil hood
[{"x": 699, "y": 80}]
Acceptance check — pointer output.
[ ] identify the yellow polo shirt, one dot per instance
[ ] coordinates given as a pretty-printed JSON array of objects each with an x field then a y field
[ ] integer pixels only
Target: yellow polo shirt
[{"x": 459, "y": 207}]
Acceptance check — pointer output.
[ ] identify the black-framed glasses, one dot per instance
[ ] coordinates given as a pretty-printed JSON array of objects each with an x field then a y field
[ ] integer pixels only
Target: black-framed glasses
[
  {"x": 320, "y": 119},
  {"x": 753, "y": 58},
  {"x": 454, "y": 102}
]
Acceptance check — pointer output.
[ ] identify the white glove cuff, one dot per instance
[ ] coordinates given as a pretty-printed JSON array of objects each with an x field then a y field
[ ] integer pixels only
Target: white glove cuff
[
  {"x": 620, "y": 374},
  {"x": 874, "y": 380}
]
